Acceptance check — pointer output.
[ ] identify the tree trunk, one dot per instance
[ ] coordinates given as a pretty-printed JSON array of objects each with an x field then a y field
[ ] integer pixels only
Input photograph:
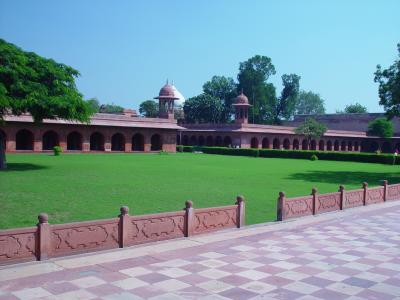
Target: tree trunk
[{"x": 3, "y": 163}]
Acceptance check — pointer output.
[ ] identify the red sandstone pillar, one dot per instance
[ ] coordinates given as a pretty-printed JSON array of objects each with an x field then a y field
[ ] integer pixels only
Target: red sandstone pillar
[
  {"x": 385, "y": 190},
  {"x": 123, "y": 227},
  {"x": 189, "y": 218},
  {"x": 342, "y": 202},
  {"x": 128, "y": 147},
  {"x": 43, "y": 238},
  {"x": 240, "y": 214},
  {"x": 37, "y": 146},
  {"x": 86, "y": 146},
  {"x": 147, "y": 147},
  {"x": 365, "y": 187},
  {"x": 107, "y": 147},
  {"x": 314, "y": 193},
  {"x": 280, "y": 211}
]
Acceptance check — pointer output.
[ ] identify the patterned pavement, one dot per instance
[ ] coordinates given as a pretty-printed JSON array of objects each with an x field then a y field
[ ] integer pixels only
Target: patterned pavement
[{"x": 346, "y": 255}]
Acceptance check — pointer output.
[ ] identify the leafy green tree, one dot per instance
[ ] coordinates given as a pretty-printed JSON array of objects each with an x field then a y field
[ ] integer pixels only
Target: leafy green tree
[
  {"x": 355, "y": 108},
  {"x": 253, "y": 76},
  {"x": 389, "y": 87},
  {"x": 284, "y": 106},
  {"x": 309, "y": 103},
  {"x": 311, "y": 129},
  {"x": 94, "y": 104},
  {"x": 42, "y": 87},
  {"x": 111, "y": 109},
  {"x": 149, "y": 109},
  {"x": 223, "y": 88},
  {"x": 381, "y": 127},
  {"x": 203, "y": 108}
]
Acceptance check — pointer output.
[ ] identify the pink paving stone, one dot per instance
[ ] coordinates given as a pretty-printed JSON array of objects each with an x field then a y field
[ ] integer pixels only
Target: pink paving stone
[
  {"x": 234, "y": 280},
  {"x": 383, "y": 271},
  {"x": 232, "y": 268},
  {"x": 270, "y": 269},
  {"x": 372, "y": 295},
  {"x": 354, "y": 281},
  {"x": 104, "y": 290},
  {"x": 153, "y": 277},
  {"x": 329, "y": 294},
  {"x": 8, "y": 297},
  {"x": 193, "y": 279},
  {"x": 307, "y": 270},
  {"x": 112, "y": 276},
  {"x": 317, "y": 281},
  {"x": 130, "y": 263},
  {"x": 60, "y": 288},
  {"x": 238, "y": 294},
  {"x": 194, "y": 267},
  {"x": 283, "y": 294},
  {"x": 346, "y": 271},
  {"x": 276, "y": 281},
  {"x": 147, "y": 291}
]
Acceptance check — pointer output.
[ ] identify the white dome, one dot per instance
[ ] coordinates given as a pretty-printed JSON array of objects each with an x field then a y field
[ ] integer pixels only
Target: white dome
[{"x": 177, "y": 94}]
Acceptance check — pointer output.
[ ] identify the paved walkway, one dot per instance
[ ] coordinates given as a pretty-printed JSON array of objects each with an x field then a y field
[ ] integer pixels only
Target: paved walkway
[{"x": 353, "y": 254}]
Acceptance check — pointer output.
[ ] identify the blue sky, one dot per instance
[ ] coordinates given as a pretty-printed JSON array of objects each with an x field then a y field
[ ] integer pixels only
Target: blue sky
[{"x": 125, "y": 50}]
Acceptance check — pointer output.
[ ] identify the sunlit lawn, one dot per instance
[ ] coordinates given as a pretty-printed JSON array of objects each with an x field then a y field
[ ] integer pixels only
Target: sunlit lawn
[{"x": 74, "y": 187}]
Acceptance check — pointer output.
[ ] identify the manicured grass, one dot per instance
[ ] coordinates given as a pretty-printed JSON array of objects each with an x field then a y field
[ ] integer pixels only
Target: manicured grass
[{"x": 79, "y": 187}]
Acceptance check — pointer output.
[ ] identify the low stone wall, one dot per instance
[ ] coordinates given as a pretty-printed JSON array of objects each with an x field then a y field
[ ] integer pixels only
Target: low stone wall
[
  {"x": 45, "y": 241},
  {"x": 315, "y": 203}
]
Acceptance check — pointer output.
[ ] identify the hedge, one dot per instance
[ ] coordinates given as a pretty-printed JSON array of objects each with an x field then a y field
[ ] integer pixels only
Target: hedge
[{"x": 298, "y": 154}]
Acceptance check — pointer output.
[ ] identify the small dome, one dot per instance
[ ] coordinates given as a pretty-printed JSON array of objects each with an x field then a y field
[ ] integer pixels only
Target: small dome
[
  {"x": 241, "y": 99},
  {"x": 167, "y": 91}
]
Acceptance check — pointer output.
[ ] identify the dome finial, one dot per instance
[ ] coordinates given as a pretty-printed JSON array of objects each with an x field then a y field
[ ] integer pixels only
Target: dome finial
[{"x": 167, "y": 81}]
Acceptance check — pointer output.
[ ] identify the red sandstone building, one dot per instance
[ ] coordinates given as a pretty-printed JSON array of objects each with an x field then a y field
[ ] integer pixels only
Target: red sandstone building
[{"x": 129, "y": 133}]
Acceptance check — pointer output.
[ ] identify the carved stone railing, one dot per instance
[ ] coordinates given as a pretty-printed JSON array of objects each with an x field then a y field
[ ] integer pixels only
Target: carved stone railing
[
  {"x": 288, "y": 208},
  {"x": 45, "y": 241}
]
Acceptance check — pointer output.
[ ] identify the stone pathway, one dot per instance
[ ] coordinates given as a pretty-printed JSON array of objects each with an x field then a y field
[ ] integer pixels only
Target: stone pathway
[{"x": 353, "y": 254}]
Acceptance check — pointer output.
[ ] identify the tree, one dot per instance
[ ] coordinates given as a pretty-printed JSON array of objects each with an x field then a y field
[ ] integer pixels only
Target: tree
[
  {"x": 42, "y": 87},
  {"x": 309, "y": 103},
  {"x": 311, "y": 129},
  {"x": 203, "y": 108},
  {"x": 355, "y": 108},
  {"x": 223, "y": 88},
  {"x": 389, "y": 87},
  {"x": 149, "y": 109},
  {"x": 381, "y": 127},
  {"x": 253, "y": 76},
  {"x": 111, "y": 109},
  {"x": 284, "y": 106},
  {"x": 94, "y": 104}
]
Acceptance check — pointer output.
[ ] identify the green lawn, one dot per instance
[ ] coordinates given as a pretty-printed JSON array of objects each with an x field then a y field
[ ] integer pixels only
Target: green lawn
[{"x": 93, "y": 186}]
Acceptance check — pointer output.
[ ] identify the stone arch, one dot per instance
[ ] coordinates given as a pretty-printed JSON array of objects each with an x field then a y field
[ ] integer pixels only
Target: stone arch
[
  {"x": 185, "y": 141},
  {"x": 276, "y": 143},
  {"x": 118, "y": 142},
  {"x": 336, "y": 145},
  {"x": 193, "y": 140},
  {"x": 386, "y": 147},
  {"x": 349, "y": 146},
  {"x": 374, "y": 146},
  {"x": 138, "y": 142},
  {"x": 296, "y": 144},
  {"x": 364, "y": 146},
  {"x": 156, "y": 142},
  {"x": 343, "y": 146},
  {"x": 50, "y": 140},
  {"x": 74, "y": 141},
  {"x": 356, "y": 146},
  {"x": 178, "y": 139},
  {"x": 254, "y": 143},
  {"x": 24, "y": 140},
  {"x": 313, "y": 145},
  {"x": 209, "y": 141},
  {"x": 397, "y": 147},
  {"x": 321, "y": 145},
  {"x": 202, "y": 141},
  {"x": 96, "y": 141},
  {"x": 304, "y": 145},
  {"x": 218, "y": 141},
  {"x": 286, "y": 144},
  {"x": 265, "y": 143},
  {"x": 227, "y": 141},
  {"x": 329, "y": 146}
]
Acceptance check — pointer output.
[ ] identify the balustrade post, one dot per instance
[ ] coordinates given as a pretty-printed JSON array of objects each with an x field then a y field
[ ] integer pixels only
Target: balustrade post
[
  {"x": 385, "y": 190},
  {"x": 123, "y": 227},
  {"x": 44, "y": 238},
  {"x": 314, "y": 193},
  {"x": 365, "y": 194},
  {"x": 240, "y": 214},
  {"x": 189, "y": 218},
  {"x": 280, "y": 211},
  {"x": 342, "y": 197}
]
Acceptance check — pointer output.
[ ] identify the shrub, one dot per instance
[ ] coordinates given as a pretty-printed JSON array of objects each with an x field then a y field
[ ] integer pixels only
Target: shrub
[
  {"x": 313, "y": 157},
  {"x": 179, "y": 148},
  {"x": 57, "y": 150},
  {"x": 163, "y": 152}
]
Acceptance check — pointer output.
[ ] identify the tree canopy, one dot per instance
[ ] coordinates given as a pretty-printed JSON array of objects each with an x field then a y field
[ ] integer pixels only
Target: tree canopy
[
  {"x": 381, "y": 127},
  {"x": 149, "y": 109},
  {"x": 40, "y": 86},
  {"x": 203, "y": 108},
  {"x": 389, "y": 86},
  {"x": 355, "y": 108},
  {"x": 309, "y": 103},
  {"x": 311, "y": 129}
]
